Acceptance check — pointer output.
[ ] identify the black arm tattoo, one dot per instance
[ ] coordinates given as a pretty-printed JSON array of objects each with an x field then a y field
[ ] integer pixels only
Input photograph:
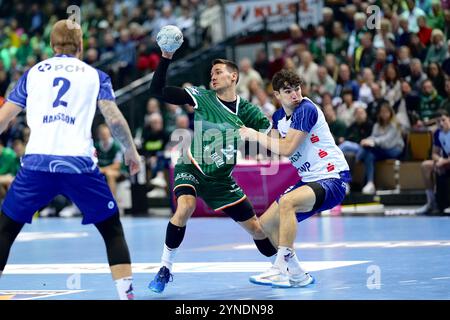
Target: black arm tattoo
[{"x": 116, "y": 123}]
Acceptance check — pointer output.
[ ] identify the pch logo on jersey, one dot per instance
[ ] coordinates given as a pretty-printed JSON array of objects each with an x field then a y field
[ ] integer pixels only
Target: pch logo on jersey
[
  {"x": 330, "y": 167},
  {"x": 44, "y": 67},
  {"x": 314, "y": 138}
]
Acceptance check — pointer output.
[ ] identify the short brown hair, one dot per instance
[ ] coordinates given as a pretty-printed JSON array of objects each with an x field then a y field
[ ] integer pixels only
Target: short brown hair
[
  {"x": 66, "y": 36},
  {"x": 285, "y": 78},
  {"x": 231, "y": 66},
  {"x": 442, "y": 113}
]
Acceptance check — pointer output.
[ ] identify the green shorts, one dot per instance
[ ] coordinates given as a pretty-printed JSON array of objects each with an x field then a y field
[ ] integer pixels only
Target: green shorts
[{"x": 218, "y": 193}]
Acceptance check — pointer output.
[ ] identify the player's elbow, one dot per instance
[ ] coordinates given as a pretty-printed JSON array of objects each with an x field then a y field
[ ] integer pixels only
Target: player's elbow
[
  {"x": 286, "y": 151},
  {"x": 3, "y": 124}
]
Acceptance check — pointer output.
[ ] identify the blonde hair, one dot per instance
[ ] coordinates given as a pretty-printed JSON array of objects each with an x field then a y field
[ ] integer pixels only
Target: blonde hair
[{"x": 66, "y": 37}]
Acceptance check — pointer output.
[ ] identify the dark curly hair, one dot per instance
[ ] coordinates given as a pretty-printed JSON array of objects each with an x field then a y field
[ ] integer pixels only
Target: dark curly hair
[{"x": 285, "y": 78}]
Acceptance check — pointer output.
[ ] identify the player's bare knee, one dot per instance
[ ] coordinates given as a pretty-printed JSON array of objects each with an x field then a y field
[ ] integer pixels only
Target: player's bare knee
[
  {"x": 286, "y": 205},
  {"x": 185, "y": 209}
]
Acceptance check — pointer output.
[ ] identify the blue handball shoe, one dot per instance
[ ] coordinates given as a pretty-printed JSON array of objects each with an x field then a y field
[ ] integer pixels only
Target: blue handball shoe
[{"x": 161, "y": 279}]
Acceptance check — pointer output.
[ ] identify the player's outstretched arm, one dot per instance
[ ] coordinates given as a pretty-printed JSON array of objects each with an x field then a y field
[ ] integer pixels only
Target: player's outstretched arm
[
  {"x": 7, "y": 112},
  {"x": 121, "y": 132}
]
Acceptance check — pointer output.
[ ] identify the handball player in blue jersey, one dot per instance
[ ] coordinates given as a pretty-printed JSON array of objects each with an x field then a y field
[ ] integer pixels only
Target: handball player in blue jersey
[
  {"x": 301, "y": 133},
  {"x": 60, "y": 96}
]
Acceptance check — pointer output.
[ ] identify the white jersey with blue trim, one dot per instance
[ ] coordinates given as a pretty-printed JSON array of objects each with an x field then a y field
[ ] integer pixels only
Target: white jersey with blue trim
[
  {"x": 318, "y": 157},
  {"x": 60, "y": 96}
]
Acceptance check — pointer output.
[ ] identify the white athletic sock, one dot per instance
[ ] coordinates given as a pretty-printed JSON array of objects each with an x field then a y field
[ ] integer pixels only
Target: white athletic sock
[
  {"x": 124, "y": 288},
  {"x": 168, "y": 257},
  {"x": 283, "y": 256},
  {"x": 294, "y": 264}
]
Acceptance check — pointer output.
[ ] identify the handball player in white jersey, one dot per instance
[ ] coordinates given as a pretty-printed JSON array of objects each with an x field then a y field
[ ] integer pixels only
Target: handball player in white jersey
[
  {"x": 301, "y": 133},
  {"x": 60, "y": 96}
]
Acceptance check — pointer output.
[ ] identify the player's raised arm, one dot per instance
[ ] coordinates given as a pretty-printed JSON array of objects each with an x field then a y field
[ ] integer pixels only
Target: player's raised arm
[
  {"x": 158, "y": 88},
  {"x": 121, "y": 132},
  {"x": 7, "y": 112}
]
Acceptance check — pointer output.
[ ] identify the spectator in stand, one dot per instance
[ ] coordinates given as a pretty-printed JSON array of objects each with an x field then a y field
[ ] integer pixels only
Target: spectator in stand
[
  {"x": 264, "y": 102},
  {"x": 412, "y": 13},
  {"x": 424, "y": 33},
  {"x": 296, "y": 37},
  {"x": 262, "y": 64},
  {"x": 404, "y": 36},
  {"x": 446, "y": 63},
  {"x": 346, "y": 110},
  {"x": 385, "y": 142},
  {"x": 418, "y": 50},
  {"x": 435, "y": 19},
  {"x": 324, "y": 83},
  {"x": 404, "y": 61},
  {"x": 436, "y": 171},
  {"x": 429, "y": 104},
  {"x": 360, "y": 129},
  {"x": 337, "y": 127},
  {"x": 436, "y": 75},
  {"x": 318, "y": 44},
  {"x": 381, "y": 60},
  {"x": 437, "y": 51},
  {"x": 332, "y": 67},
  {"x": 355, "y": 35},
  {"x": 277, "y": 61},
  {"x": 110, "y": 156},
  {"x": 390, "y": 85},
  {"x": 365, "y": 53},
  {"x": 417, "y": 75},
  {"x": 384, "y": 37},
  {"x": 365, "y": 90},
  {"x": 446, "y": 103},
  {"x": 155, "y": 139},
  {"x": 246, "y": 74},
  {"x": 126, "y": 52},
  {"x": 345, "y": 82},
  {"x": 338, "y": 42},
  {"x": 373, "y": 107},
  {"x": 308, "y": 69}
]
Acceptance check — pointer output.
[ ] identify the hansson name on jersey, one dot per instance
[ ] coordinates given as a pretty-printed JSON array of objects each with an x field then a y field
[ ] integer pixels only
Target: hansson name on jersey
[
  {"x": 60, "y": 95},
  {"x": 317, "y": 157}
]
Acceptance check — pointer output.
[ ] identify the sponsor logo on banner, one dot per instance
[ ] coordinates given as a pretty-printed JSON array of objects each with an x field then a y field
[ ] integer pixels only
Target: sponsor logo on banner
[{"x": 280, "y": 14}]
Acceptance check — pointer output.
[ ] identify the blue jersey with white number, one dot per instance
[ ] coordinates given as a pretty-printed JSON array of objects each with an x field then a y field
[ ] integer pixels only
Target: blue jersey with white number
[{"x": 60, "y": 96}]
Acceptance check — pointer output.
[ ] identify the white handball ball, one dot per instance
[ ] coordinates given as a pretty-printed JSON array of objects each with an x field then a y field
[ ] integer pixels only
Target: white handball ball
[{"x": 169, "y": 38}]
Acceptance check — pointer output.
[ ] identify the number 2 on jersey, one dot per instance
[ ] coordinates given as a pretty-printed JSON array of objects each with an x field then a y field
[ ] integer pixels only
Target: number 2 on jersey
[{"x": 65, "y": 86}]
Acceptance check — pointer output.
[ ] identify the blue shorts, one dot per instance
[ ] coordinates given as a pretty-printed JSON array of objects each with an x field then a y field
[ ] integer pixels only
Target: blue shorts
[
  {"x": 334, "y": 194},
  {"x": 33, "y": 190}
]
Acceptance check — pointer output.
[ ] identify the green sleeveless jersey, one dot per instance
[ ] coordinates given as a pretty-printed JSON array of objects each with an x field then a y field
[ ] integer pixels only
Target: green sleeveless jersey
[{"x": 216, "y": 136}]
